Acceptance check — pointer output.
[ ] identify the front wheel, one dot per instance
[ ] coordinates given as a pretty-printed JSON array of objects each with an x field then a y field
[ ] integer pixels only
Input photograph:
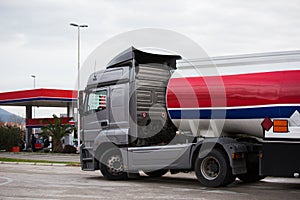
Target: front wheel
[
  {"x": 111, "y": 165},
  {"x": 213, "y": 169}
]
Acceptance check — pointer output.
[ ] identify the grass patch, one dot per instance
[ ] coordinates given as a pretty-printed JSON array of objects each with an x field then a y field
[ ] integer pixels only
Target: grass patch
[{"x": 39, "y": 161}]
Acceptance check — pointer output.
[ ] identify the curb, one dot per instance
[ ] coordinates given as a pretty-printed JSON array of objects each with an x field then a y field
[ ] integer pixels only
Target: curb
[{"x": 34, "y": 163}]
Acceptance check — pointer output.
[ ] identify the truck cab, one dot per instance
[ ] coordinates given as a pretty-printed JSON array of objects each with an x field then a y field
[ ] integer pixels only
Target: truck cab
[{"x": 124, "y": 111}]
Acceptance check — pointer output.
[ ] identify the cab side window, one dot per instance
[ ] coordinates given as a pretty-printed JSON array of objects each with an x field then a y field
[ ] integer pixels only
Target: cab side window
[{"x": 97, "y": 101}]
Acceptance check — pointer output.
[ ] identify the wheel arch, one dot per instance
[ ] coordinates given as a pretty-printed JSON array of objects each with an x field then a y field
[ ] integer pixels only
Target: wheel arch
[
  {"x": 198, "y": 147},
  {"x": 102, "y": 148},
  {"x": 228, "y": 146}
]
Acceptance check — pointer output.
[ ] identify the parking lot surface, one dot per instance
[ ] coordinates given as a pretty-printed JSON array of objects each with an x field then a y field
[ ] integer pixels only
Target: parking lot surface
[{"x": 23, "y": 181}]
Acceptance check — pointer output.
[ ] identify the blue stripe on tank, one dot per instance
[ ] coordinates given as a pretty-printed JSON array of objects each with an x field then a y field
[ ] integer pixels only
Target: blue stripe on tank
[{"x": 238, "y": 113}]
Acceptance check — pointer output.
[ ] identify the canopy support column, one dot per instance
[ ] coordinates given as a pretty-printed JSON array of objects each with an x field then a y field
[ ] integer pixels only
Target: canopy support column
[{"x": 28, "y": 130}]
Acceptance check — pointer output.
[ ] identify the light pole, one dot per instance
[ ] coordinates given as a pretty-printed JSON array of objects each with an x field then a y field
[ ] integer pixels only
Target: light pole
[
  {"x": 33, "y": 76},
  {"x": 78, "y": 77},
  {"x": 34, "y": 84}
]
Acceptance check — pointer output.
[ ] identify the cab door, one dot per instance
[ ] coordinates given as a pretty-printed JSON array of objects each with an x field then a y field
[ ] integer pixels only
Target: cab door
[
  {"x": 96, "y": 114},
  {"x": 119, "y": 114}
]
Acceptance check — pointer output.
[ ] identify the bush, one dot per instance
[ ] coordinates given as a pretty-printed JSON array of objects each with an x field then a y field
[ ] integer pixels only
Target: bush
[
  {"x": 9, "y": 137},
  {"x": 69, "y": 149},
  {"x": 46, "y": 150}
]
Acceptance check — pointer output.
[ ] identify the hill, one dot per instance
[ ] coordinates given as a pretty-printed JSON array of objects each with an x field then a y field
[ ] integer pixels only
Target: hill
[{"x": 6, "y": 116}]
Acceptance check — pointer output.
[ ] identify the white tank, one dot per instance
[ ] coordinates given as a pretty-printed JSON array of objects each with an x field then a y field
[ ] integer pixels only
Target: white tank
[{"x": 233, "y": 95}]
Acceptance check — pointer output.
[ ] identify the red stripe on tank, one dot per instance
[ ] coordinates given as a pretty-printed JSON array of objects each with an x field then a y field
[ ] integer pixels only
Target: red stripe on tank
[{"x": 279, "y": 87}]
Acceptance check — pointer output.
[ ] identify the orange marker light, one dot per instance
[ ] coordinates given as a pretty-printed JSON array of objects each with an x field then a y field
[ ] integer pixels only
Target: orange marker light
[{"x": 237, "y": 155}]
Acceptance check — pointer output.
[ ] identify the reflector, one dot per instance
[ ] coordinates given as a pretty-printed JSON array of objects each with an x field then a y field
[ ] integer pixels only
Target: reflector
[{"x": 144, "y": 115}]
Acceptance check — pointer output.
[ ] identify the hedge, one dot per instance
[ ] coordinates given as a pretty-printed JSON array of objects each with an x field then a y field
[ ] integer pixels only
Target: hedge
[{"x": 10, "y": 136}]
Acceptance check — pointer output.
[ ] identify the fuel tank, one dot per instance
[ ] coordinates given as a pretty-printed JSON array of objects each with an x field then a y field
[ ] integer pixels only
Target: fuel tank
[{"x": 234, "y": 94}]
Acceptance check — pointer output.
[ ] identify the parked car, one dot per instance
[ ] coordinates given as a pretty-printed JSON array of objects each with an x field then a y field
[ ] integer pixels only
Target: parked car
[{"x": 39, "y": 144}]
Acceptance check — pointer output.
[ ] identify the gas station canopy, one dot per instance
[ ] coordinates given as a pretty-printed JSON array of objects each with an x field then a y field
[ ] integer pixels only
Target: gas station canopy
[
  {"x": 39, "y": 97},
  {"x": 43, "y": 98}
]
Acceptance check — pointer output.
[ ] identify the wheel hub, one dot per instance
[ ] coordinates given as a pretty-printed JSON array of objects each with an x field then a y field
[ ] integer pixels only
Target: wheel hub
[
  {"x": 115, "y": 165},
  {"x": 210, "y": 168}
]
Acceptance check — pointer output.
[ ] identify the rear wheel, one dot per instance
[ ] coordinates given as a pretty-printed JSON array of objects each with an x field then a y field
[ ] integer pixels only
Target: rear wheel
[
  {"x": 213, "y": 169},
  {"x": 157, "y": 173},
  {"x": 111, "y": 165},
  {"x": 253, "y": 170},
  {"x": 250, "y": 178},
  {"x": 252, "y": 161}
]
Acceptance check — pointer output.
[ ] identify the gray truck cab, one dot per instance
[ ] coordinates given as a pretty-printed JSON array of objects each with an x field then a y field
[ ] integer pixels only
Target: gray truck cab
[{"x": 125, "y": 107}]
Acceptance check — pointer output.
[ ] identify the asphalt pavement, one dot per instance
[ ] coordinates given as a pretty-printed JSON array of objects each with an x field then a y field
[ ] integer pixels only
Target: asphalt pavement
[
  {"x": 25, "y": 181},
  {"x": 63, "y": 182}
]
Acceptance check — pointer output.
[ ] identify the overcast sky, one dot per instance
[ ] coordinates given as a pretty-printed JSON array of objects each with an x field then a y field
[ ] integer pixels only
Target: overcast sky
[{"x": 35, "y": 36}]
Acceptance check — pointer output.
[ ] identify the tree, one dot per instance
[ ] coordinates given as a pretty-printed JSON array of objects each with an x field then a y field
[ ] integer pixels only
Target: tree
[{"x": 57, "y": 131}]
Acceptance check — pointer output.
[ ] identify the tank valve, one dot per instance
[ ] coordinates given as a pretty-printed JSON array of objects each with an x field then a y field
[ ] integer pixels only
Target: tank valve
[{"x": 296, "y": 175}]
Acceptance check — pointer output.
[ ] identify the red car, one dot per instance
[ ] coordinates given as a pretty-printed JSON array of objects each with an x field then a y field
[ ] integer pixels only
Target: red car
[{"x": 39, "y": 144}]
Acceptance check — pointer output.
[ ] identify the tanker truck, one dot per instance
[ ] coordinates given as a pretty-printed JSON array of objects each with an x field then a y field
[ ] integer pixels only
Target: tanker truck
[{"x": 222, "y": 118}]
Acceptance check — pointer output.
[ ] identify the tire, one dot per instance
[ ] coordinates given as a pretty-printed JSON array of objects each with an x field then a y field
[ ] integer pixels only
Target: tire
[
  {"x": 157, "y": 173},
  {"x": 213, "y": 169},
  {"x": 250, "y": 178},
  {"x": 252, "y": 161},
  {"x": 253, "y": 173},
  {"x": 111, "y": 165}
]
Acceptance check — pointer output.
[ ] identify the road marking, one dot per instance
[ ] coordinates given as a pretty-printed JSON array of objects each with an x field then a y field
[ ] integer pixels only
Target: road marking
[
  {"x": 6, "y": 181},
  {"x": 221, "y": 192}
]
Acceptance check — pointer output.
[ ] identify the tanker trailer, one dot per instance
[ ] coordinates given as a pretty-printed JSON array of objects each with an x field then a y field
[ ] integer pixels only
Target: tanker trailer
[
  {"x": 238, "y": 92},
  {"x": 228, "y": 117}
]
